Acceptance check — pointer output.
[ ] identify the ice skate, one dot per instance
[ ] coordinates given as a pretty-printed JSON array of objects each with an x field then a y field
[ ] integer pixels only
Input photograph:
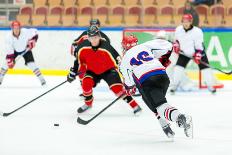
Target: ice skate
[
  {"x": 83, "y": 108},
  {"x": 168, "y": 131},
  {"x": 212, "y": 90},
  {"x": 137, "y": 110},
  {"x": 166, "y": 127},
  {"x": 43, "y": 82},
  {"x": 185, "y": 122}
]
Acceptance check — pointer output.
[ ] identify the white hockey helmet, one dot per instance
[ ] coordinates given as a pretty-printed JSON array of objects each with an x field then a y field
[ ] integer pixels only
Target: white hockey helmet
[{"x": 161, "y": 34}]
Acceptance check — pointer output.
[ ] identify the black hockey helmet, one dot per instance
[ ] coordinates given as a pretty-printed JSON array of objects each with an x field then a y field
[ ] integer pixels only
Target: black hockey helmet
[
  {"x": 94, "y": 22},
  {"x": 93, "y": 31}
]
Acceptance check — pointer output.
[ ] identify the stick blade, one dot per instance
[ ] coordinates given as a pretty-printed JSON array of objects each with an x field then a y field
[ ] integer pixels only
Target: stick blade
[
  {"x": 81, "y": 121},
  {"x": 5, "y": 114}
]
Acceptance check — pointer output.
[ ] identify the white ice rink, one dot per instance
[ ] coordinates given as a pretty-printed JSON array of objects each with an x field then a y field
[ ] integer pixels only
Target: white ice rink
[{"x": 117, "y": 131}]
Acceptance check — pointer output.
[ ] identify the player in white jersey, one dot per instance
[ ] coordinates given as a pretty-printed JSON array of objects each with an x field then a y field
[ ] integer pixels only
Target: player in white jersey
[
  {"x": 143, "y": 66},
  {"x": 191, "y": 42},
  {"x": 20, "y": 41}
]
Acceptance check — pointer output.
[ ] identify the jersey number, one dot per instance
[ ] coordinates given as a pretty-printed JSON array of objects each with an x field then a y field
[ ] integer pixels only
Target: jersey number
[{"x": 141, "y": 58}]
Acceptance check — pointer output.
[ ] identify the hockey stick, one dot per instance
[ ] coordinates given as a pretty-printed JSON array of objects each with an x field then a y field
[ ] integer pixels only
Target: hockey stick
[
  {"x": 7, "y": 114},
  {"x": 85, "y": 122},
  {"x": 208, "y": 65}
]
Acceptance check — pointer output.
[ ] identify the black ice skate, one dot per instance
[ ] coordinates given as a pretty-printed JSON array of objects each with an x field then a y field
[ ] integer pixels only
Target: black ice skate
[
  {"x": 168, "y": 131},
  {"x": 137, "y": 110},
  {"x": 83, "y": 108},
  {"x": 185, "y": 122}
]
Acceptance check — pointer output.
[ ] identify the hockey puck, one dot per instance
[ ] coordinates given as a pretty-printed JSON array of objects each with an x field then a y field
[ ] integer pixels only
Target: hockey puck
[{"x": 56, "y": 124}]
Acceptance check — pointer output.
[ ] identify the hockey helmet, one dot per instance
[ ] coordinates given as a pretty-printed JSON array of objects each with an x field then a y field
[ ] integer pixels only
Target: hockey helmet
[
  {"x": 129, "y": 41},
  {"x": 161, "y": 34},
  {"x": 93, "y": 31},
  {"x": 187, "y": 17},
  {"x": 15, "y": 24},
  {"x": 94, "y": 22}
]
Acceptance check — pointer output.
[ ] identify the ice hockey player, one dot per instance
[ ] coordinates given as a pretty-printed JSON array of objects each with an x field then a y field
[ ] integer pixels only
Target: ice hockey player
[
  {"x": 191, "y": 42},
  {"x": 82, "y": 38},
  {"x": 143, "y": 66},
  {"x": 101, "y": 61},
  {"x": 18, "y": 41}
]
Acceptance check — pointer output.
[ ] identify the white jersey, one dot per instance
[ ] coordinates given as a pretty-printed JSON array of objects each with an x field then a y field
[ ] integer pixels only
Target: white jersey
[
  {"x": 19, "y": 44},
  {"x": 142, "y": 61},
  {"x": 190, "y": 40}
]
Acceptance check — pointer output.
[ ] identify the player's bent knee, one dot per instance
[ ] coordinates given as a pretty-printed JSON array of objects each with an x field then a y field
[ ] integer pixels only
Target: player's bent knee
[
  {"x": 87, "y": 83},
  {"x": 117, "y": 88}
]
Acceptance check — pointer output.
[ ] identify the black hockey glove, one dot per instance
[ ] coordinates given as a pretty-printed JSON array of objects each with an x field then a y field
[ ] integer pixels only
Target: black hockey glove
[{"x": 72, "y": 75}]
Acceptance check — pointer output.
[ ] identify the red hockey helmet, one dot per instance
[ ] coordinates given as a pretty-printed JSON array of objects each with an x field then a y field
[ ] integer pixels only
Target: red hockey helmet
[
  {"x": 187, "y": 17},
  {"x": 129, "y": 41},
  {"x": 15, "y": 24}
]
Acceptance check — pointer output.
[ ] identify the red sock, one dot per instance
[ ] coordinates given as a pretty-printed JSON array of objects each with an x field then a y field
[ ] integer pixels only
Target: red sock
[
  {"x": 87, "y": 86},
  {"x": 118, "y": 89}
]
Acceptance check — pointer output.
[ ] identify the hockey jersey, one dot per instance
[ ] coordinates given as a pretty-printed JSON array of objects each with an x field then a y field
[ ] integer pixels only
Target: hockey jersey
[
  {"x": 142, "y": 61},
  {"x": 190, "y": 40},
  {"x": 19, "y": 44},
  {"x": 96, "y": 59}
]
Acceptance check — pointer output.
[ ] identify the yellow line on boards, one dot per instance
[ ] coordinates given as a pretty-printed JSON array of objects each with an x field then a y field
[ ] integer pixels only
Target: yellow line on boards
[
  {"x": 191, "y": 74},
  {"x": 44, "y": 72}
]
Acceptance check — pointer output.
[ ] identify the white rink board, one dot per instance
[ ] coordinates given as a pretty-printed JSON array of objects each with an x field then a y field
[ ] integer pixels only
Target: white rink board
[{"x": 52, "y": 50}]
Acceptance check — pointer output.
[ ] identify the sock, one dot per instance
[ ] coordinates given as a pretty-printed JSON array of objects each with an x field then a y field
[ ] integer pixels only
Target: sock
[
  {"x": 118, "y": 89},
  {"x": 36, "y": 71},
  {"x": 178, "y": 74},
  {"x": 168, "y": 112},
  {"x": 208, "y": 77},
  {"x": 87, "y": 87}
]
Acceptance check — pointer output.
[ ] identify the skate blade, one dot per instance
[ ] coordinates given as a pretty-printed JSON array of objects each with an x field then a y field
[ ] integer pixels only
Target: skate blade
[{"x": 170, "y": 136}]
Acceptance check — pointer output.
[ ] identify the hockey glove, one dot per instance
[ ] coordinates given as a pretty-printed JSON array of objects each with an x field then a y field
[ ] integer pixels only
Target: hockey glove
[
  {"x": 197, "y": 56},
  {"x": 72, "y": 75},
  {"x": 10, "y": 60},
  {"x": 130, "y": 90},
  {"x": 164, "y": 60},
  {"x": 31, "y": 42},
  {"x": 176, "y": 47}
]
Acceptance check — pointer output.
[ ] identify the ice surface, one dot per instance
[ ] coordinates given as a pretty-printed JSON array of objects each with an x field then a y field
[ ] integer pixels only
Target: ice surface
[{"x": 31, "y": 130}]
